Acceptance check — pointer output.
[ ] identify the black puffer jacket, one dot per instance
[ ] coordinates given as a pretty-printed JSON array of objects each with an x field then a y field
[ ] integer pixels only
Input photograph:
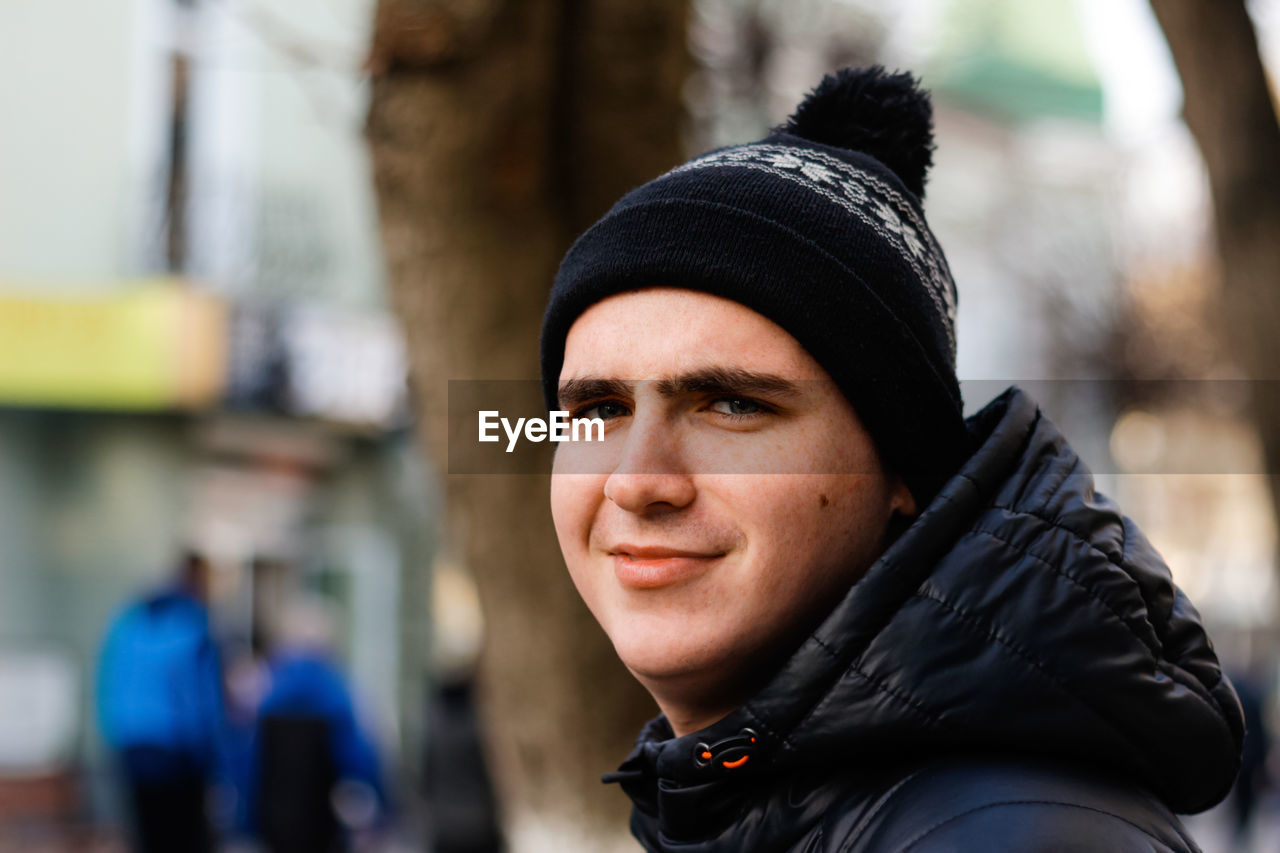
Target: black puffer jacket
[{"x": 1016, "y": 673}]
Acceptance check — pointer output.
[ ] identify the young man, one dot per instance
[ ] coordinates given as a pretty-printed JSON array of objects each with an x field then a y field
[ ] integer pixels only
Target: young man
[{"x": 868, "y": 624}]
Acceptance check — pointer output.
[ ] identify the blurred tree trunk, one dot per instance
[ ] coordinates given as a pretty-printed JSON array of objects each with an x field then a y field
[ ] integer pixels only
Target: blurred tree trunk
[
  {"x": 1227, "y": 105},
  {"x": 499, "y": 129}
]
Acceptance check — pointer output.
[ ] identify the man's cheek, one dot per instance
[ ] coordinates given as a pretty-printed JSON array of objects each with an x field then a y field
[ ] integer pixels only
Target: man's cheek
[
  {"x": 570, "y": 499},
  {"x": 566, "y": 529},
  {"x": 788, "y": 515}
]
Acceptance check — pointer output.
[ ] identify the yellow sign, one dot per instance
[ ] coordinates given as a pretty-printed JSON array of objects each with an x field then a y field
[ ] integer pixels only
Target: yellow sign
[{"x": 155, "y": 346}]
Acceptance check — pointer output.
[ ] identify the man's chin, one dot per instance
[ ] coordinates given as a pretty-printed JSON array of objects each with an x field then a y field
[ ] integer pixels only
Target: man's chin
[
  {"x": 684, "y": 672},
  {"x": 669, "y": 665}
]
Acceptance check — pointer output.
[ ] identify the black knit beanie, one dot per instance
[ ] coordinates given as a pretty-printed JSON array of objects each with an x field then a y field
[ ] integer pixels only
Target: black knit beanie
[{"x": 818, "y": 227}]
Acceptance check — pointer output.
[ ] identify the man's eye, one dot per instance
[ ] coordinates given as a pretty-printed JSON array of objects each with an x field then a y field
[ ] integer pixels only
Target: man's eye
[
  {"x": 737, "y": 406},
  {"x": 605, "y": 411}
]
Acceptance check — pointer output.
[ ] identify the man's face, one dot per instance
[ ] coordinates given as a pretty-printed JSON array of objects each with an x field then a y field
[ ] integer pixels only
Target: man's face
[{"x": 735, "y": 498}]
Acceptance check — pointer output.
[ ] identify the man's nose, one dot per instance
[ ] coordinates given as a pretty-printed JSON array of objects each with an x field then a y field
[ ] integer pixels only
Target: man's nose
[{"x": 650, "y": 476}]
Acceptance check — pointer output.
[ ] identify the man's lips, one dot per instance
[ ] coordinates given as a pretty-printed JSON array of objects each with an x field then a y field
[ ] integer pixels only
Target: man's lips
[
  {"x": 659, "y": 552},
  {"x": 653, "y": 566}
]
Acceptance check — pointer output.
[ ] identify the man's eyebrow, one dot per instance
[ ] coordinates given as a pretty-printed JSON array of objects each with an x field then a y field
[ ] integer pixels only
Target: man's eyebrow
[
  {"x": 727, "y": 380},
  {"x": 574, "y": 392},
  {"x": 712, "y": 380}
]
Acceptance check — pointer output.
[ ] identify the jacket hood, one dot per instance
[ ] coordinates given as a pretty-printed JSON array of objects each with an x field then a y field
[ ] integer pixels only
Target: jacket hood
[{"x": 1021, "y": 614}]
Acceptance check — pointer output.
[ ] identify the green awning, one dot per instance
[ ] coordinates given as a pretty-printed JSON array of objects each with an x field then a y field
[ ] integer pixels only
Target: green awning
[{"x": 1016, "y": 60}]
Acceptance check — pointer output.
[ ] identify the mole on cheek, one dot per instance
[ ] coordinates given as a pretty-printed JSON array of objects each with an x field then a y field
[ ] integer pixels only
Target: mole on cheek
[{"x": 822, "y": 500}]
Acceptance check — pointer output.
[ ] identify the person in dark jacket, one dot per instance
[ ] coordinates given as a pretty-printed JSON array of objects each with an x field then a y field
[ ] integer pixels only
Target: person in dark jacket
[{"x": 870, "y": 625}]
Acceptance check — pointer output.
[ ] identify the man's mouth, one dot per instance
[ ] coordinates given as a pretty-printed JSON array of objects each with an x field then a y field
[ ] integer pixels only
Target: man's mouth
[
  {"x": 659, "y": 552},
  {"x": 654, "y": 566}
]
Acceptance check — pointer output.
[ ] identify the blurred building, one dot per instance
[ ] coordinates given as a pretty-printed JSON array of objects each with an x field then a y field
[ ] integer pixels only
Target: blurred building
[{"x": 194, "y": 350}]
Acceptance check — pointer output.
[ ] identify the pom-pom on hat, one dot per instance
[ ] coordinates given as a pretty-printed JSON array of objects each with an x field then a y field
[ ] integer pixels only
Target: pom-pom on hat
[
  {"x": 818, "y": 227},
  {"x": 883, "y": 115}
]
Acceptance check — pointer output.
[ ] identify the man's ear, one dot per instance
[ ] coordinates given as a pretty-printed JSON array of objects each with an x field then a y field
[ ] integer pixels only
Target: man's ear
[
  {"x": 902, "y": 509},
  {"x": 901, "y": 501}
]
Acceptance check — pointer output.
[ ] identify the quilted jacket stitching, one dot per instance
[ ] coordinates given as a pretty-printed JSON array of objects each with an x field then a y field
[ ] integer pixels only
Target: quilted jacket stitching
[
  {"x": 852, "y": 836},
  {"x": 1161, "y": 626},
  {"x": 1169, "y": 668},
  {"x": 1005, "y": 803},
  {"x": 992, "y": 631},
  {"x": 1063, "y": 573},
  {"x": 853, "y": 669}
]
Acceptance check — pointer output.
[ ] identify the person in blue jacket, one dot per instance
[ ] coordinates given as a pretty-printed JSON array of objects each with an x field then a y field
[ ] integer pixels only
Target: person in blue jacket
[
  {"x": 315, "y": 774},
  {"x": 160, "y": 710}
]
